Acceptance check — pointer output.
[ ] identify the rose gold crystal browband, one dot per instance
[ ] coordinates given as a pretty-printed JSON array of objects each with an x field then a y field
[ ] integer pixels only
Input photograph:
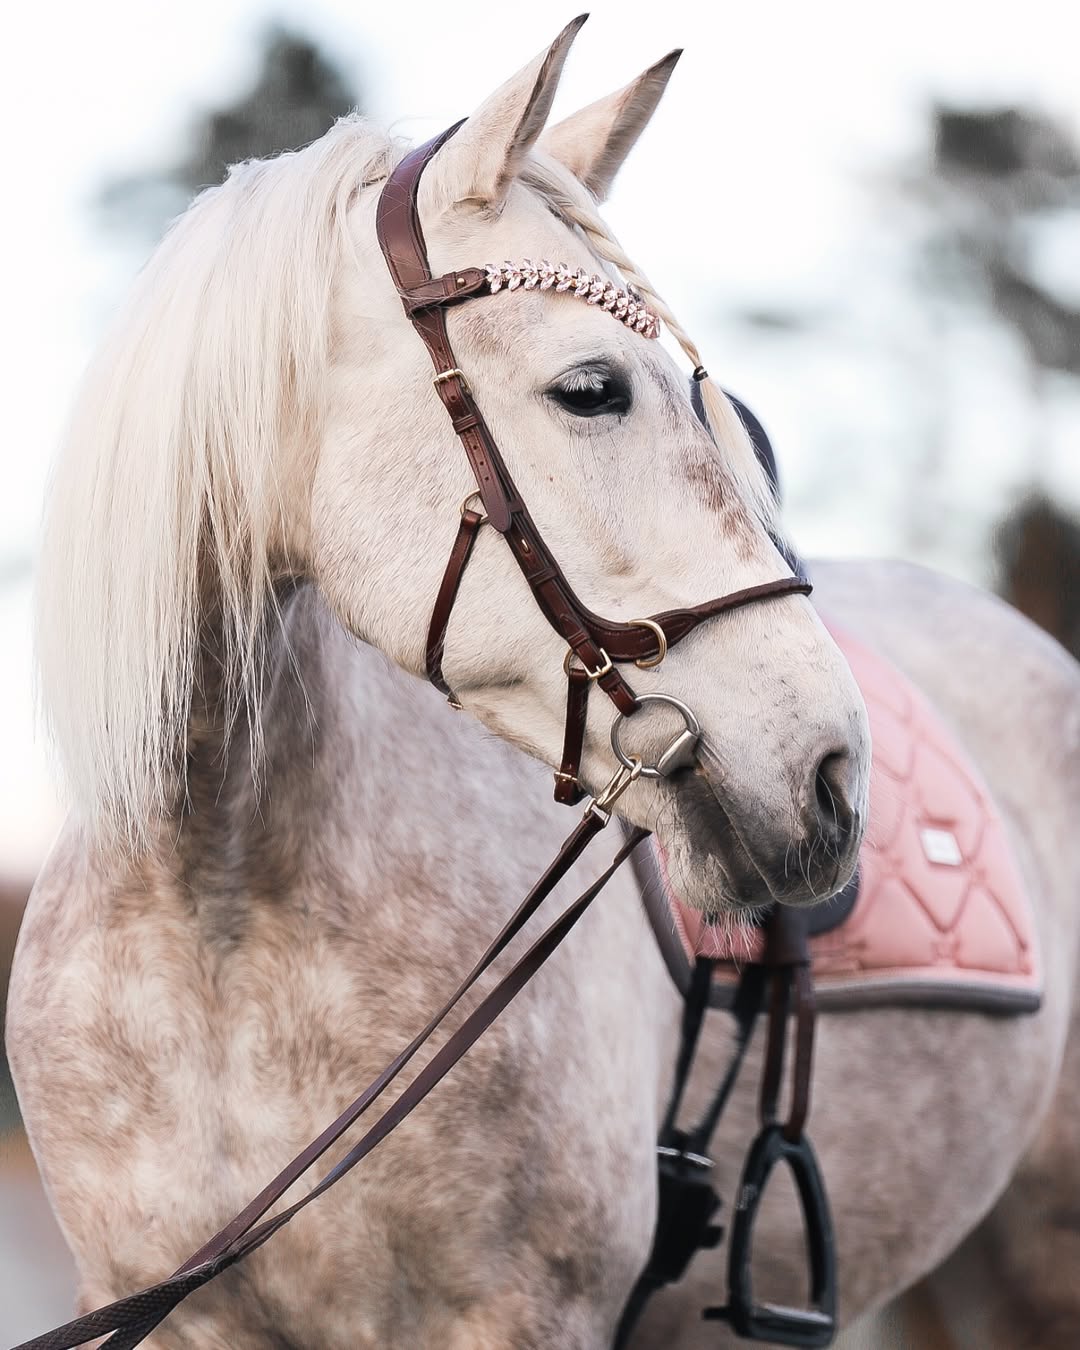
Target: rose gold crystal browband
[{"x": 625, "y": 304}]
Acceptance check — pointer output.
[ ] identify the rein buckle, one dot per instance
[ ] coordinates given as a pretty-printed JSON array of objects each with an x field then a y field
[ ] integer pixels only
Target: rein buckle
[{"x": 624, "y": 775}]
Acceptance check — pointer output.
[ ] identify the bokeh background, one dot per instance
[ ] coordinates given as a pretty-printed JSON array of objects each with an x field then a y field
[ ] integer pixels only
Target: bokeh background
[{"x": 870, "y": 218}]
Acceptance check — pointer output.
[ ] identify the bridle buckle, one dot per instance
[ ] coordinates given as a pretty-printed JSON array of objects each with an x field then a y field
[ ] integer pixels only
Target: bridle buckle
[
  {"x": 605, "y": 667},
  {"x": 452, "y": 374}
]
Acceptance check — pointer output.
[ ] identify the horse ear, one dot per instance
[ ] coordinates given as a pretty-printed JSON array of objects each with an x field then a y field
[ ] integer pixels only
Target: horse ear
[
  {"x": 479, "y": 164},
  {"x": 593, "y": 143}
]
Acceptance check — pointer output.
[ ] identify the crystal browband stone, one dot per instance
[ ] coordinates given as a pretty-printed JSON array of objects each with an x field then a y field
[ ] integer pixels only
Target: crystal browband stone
[{"x": 625, "y": 304}]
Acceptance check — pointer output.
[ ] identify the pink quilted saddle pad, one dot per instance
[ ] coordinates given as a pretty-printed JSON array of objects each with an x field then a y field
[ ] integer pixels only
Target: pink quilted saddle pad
[{"x": 942, "y": 915}]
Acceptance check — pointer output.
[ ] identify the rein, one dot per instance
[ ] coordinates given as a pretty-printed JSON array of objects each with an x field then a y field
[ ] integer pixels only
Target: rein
[{"x": 595, "y": 648}]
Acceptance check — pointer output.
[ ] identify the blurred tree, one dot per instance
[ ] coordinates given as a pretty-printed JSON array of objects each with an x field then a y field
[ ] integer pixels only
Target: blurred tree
[
  {"x": 1037, "y": 550},
  {"x": 972, "y": 240},
  {"x": 299, "y": 92},
  {"x": 1003, "y": 181},
  {"x": 13, "y": 896}
]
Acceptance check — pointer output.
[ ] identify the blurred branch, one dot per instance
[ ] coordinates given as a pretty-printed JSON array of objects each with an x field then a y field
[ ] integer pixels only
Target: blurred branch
[
  {"x": 777, "y": 320},
  {"x": 1010, "y": 146},
  {"x": 1050, "y": 328}
]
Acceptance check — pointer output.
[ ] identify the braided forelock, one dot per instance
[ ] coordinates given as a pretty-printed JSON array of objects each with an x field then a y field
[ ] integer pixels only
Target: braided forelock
[{"x": 567, "y": 197}]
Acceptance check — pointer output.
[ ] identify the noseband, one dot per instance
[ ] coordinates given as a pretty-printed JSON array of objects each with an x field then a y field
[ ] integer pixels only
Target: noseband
[{"x": 596, "y": 646}]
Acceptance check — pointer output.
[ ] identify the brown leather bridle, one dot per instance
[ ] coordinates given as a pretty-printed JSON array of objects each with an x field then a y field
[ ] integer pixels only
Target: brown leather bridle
[{"x": 597, "y": 646}]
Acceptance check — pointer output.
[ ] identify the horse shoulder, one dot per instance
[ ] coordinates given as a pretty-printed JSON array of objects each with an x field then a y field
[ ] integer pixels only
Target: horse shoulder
[{"x": 86, "y": 1032}]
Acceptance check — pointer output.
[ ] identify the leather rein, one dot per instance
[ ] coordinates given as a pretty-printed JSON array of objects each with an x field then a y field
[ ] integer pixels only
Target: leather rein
[{"x": 596, "y": 648}]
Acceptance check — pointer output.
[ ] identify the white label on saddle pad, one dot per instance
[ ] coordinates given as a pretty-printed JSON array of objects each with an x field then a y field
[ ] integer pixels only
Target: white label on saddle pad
[{"x": 940, "y": 846}]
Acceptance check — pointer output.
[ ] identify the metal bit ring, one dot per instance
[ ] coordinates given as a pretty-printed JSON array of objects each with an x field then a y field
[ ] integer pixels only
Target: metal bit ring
[{"x": 678, "y": 755}]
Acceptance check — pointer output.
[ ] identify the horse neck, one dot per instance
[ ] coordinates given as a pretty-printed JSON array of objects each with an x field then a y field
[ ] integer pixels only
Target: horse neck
[
  {"x": 253, "y": 803},
  {"x": 363, "y": 769}
]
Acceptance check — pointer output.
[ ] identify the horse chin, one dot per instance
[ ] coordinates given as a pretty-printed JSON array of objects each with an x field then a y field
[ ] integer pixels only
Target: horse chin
[
  {"x": 710, "y": 865},
  {"x": 721, "y": 864}
]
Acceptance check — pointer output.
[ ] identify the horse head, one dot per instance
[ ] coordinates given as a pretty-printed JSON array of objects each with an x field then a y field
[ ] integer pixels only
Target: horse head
[{"x": 265, "y": 413}]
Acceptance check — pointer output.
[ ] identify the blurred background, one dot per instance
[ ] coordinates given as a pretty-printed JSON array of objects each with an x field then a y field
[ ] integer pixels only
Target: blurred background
[{"x": 869, "y": 219}]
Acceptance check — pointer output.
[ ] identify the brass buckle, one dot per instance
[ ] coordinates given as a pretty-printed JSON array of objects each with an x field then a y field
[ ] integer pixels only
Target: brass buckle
[
  {"x": 452, "y": 374},
  {"x": 592, "y": 674},
  {"x": 648, "y": 662}
]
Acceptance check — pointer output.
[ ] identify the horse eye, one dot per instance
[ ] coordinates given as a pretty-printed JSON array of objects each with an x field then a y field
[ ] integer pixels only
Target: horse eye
[{"x": 592, "y": 393}]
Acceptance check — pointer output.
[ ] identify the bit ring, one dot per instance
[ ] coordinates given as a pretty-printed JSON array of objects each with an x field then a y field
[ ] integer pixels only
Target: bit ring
[{"x": 693, "y": 728}]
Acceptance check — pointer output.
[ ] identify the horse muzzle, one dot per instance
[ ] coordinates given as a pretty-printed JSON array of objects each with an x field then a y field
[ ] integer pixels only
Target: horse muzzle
[{"x": 798, "y": 848}]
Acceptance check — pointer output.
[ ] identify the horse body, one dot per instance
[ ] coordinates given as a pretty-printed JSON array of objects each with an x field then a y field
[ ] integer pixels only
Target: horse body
[
  {"x": 202, "y": 1013},
  {"x": 940, "y": 1130},
  {"x": 286, "y": 851}
]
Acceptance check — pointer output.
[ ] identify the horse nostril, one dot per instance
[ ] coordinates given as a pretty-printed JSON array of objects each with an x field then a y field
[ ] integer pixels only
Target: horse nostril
[{"x": 832, "y": 796}]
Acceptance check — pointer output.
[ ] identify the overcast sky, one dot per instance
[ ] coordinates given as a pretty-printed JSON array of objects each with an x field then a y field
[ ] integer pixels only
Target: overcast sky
[{"x": 753, "y": 185}]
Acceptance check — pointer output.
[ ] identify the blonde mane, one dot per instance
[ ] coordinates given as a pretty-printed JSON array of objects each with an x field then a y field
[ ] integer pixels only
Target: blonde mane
[{"x": 167, "y": 485}]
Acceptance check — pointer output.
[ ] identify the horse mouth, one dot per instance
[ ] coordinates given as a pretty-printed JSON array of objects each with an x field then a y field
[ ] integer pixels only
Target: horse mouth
[
  {"x": 713, "y": 837},
  {"x": 754, "y": 872}
]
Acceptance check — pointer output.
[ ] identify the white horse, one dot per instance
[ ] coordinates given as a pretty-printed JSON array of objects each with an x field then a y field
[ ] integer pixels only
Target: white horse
[{"x": 284, "y": 849}]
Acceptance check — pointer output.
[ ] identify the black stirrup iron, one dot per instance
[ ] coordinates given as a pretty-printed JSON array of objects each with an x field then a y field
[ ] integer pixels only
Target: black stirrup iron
[
  {"x": 688, "y": 1204},
  {"x": 814, "y": 1325}
]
